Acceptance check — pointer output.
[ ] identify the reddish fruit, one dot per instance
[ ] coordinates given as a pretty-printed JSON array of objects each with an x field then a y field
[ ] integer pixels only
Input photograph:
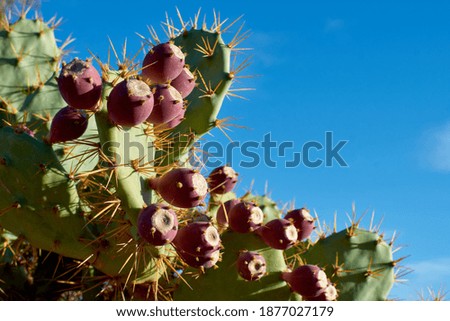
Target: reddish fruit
[
  {"x": 68, "y": 124},
  {"x": 168, "y": 105},
  {"x": 197, "y": 238},
  {"x": 222, "y": 180},
  {"x": 174, "y": 122},
  {"x": 181, "y": 187},
  {"x": 184, "y": 83},
  {"x": 303, "y": 221},
  {"x": 307, "y": 280},
  {"x": 279, "y": 234},
  {"x": 223, "y": 212},
  {"x": 206, "y": 261},
  {"x": 251, "y": 265},
  {"x": 80, "y": 84},
  {"x": 198, "y": 244},
  {"x": 157, "y": 224},
  {"x": 130, "y": 102},
  {"x": 163, "y": 63},
  {"x": 245, "y": 217},
  {"x": 329, "y": 294}
]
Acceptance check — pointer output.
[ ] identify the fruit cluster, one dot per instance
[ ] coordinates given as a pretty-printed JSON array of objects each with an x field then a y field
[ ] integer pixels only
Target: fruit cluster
[
  {"x": 156, "y": 96},
  {"x": 198, "y": 243}
]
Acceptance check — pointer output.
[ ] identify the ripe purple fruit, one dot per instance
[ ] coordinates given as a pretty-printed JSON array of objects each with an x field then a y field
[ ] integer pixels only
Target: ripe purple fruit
[
  {"x": 130, "y": 102},
  {"x": 174, "y": 122},
  {"x": 163, "y": 63},
  {"x": 328, "y": 294},
  {"x": 181, "y": 187},
  {"x": 251, "y": 266},
  {"x": 223, "y": 212},
  {"x": 184, "y": 83},
  {"x": 222, "y": 180},
  {"x": 68, "y": 124},
  {"x": 198, "y": 244},
  {"x": 197, "y": 238},
  {"x": 279, "y": 234},
  {"x": 245, "y": 217},
  {"x": 303, "y": 221},
  {"x": 80, "y": 84},
  {"x": 307, "y": 280},
  {"x": 206, "y": 261},
  {"x": 168, "y": 105},
  {"x": 157, "y": 224}
]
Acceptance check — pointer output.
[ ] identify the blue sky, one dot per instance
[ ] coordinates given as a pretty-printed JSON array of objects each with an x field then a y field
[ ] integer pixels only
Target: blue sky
[{"x": 375, "y": 73}]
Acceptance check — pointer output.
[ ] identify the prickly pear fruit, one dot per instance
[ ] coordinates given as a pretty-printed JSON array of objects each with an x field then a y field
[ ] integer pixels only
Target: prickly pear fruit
[
  {"x": 206, "y": 261},
  {"x": 168, "y": 105},
  {"x": 157, "y": 224},
  {"x": 329, "y": 294},
  {"x": 174, "y": 122},
  {"x": 198, "y": 244},
  {"x": 198, "y": 237},
  {"x": 279, "y": 234},
  {"x": 222, "y": 216},
  {"x": 184, "y": 83},
  {"x": 80, "y": 84},
  {"x": 181, "y": 187},
  {"x": 245, "y": 217},
  {"x": 222, "y": 180},
  {"x": 163, "y": 63},
  {"x": 251, "y": 265},
  {"x": 303, "y": 221},
  {"x": 130, "y": 102},
  {"x": 307, "y": 280},
  {"x": 68, "y": 124}
]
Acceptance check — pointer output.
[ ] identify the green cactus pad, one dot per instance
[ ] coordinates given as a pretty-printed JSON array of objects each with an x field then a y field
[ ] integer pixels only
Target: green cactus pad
[
  {"x": 358, "y": 261},
  {"x": 209, "y": 57},
  {"x": 39, "y": 201},
  {"x": 30, "y": 58}
]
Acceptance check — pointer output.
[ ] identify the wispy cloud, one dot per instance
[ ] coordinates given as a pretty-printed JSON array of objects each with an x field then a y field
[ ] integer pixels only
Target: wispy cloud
[
  {"x": 437, "y": 147},
  {"x": 436, "y": 270},
  {"x": 332, "y": 25},
  {"x": 428, "y": 274},
  {"x": 270, "y": 47}
]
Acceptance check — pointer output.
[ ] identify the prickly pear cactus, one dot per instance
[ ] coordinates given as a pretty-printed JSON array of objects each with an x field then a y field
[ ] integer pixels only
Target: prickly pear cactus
[{"x": 95, "y": 172}]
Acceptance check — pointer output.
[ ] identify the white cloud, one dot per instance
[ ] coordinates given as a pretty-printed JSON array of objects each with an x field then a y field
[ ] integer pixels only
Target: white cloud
[
  {"x": 269, "y": 45},
  {"x": 430, "y": 274},
  {"x": 436, "y": 270},
  {"x": 332, "y": 25},
  {"x": 437, "y": 147}
]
